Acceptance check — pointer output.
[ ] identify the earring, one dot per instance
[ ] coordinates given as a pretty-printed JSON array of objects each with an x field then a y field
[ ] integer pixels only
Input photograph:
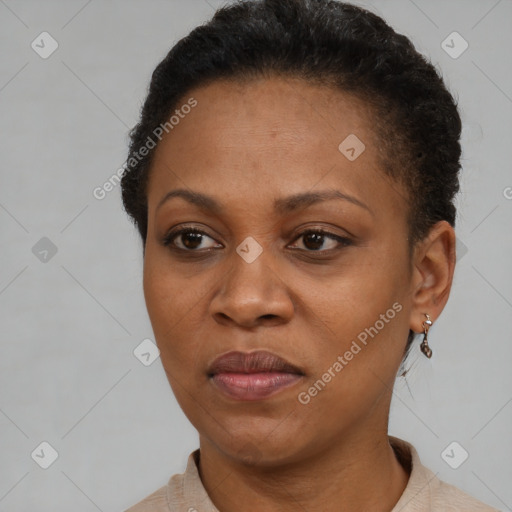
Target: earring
[{"x": 424, "y": 344}]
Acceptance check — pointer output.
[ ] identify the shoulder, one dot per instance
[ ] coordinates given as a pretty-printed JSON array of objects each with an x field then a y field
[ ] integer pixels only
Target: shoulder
[
  {"x": 180, "y": 494},
  {"x": 155, "y": 502},
  {"x": 446, "y": 497},
  {"x": 425, "y": 492}
]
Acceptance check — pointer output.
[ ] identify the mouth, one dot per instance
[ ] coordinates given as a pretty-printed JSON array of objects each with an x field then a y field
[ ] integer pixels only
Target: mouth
[{"x": 253, "y": 375}]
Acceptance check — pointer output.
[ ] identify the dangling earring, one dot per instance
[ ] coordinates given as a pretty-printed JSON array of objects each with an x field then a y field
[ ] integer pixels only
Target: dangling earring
[{"x": 424, "y": 344}]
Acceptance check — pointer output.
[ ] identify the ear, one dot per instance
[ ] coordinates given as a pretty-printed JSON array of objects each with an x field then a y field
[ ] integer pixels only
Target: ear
[{"x": 433, "y": 267}]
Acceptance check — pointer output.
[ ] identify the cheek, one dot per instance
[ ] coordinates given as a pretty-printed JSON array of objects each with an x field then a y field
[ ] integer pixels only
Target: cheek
[
  {"x": 363, "y": 313},
  {"x": 173, "y": 305},
  {"x": 355, "y": 367},
  {"x": 172, "y": 308},
  {"x": 355, "y": 297}
]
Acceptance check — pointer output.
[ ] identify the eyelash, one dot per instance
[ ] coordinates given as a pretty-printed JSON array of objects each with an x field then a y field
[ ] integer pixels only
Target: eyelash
[{"x": 173, "y": 234}]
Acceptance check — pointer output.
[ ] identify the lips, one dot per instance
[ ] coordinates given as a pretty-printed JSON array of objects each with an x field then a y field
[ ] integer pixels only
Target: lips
[
  {"x": 252, "y": 362},
  {"x": 252, "y": 375}
]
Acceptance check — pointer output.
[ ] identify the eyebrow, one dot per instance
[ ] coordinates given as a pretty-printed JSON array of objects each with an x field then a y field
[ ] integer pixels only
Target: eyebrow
[{"x": 282, "y": 205}]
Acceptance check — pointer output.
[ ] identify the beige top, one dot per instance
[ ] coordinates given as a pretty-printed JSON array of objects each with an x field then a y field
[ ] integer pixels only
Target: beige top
[{"x": 424, "y": 491}]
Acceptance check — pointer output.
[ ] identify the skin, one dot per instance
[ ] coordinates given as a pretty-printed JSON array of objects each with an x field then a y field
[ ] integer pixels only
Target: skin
[{"x": 246, "y": 145}]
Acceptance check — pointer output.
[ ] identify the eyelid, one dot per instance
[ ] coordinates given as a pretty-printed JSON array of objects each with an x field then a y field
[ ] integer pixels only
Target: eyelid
[
  {"x": 175, "y": 232},
  {"x": 342, "y": 240}
]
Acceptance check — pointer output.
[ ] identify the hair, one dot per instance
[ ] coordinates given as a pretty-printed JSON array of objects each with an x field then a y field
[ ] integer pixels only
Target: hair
[{"x": 332, "y": 43}]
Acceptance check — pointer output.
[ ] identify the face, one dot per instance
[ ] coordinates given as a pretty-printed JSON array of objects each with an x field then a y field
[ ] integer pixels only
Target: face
[{"x": 299, "y": 249}]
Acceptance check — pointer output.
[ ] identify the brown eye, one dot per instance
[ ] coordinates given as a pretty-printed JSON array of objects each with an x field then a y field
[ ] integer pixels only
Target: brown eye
[
  {"x": 191, "y": 240},
  {"x": 319, "y": 240},
  {"x": 188, "y": 239},
  {"x": 314, "y": 241}
]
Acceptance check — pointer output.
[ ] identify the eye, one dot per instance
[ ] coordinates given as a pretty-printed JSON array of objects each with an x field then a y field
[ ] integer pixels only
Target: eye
[
  {"x": 314, "y": 240},
  {"x": 191, "y": 239}
]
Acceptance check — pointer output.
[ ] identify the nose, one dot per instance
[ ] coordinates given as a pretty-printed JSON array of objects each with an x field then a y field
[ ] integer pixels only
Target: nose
[{"x": 252, "y": 294}]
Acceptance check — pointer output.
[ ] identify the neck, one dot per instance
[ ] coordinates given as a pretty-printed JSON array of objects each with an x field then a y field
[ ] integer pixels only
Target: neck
[{"x": 360, "y": 473}]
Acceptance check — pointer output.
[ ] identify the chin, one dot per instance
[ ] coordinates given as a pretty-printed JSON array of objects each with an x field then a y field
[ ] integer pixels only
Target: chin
[{"x": 266, "y": 446}]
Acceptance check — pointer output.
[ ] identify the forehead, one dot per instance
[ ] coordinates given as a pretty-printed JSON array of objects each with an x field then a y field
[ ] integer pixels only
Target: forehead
[
  {"x": 265, "y": 136},
  {"x": 257, "y": 111}
]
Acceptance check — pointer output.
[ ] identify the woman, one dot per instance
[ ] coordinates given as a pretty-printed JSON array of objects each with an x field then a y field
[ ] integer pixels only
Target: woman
[{"x": 292, "y": 178}]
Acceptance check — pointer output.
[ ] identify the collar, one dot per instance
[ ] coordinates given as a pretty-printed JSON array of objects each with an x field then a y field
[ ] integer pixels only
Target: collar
[{"x": 186, "y": 493}]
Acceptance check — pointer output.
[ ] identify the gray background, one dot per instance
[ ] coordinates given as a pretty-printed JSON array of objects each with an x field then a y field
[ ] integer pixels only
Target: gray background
[{"x": 70, "y": 323}]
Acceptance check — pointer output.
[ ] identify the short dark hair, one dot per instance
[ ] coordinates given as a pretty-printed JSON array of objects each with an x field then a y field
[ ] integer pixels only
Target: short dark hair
[{"x": 323, "y": 42}]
